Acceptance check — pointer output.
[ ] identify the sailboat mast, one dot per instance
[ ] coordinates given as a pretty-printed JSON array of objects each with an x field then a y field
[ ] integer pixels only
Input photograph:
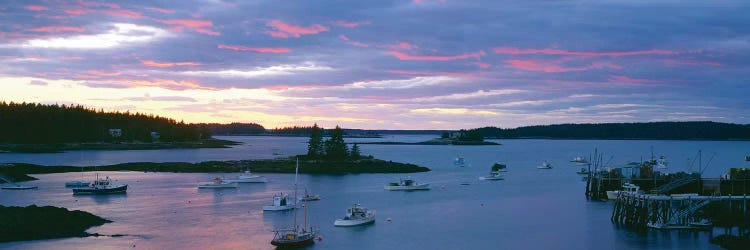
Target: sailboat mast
[{"x": 296, "y": 172}]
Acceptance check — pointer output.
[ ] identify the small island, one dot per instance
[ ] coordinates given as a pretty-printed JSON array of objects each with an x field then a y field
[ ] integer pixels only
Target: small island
[{"x": 48, "y": 222}]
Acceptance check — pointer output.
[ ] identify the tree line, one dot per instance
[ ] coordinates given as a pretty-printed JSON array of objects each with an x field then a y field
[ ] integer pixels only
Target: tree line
[
  {"x": 334, "y": 148},
  {"x": 34, "y": 123},
  {"x": 650, "y": 130}
]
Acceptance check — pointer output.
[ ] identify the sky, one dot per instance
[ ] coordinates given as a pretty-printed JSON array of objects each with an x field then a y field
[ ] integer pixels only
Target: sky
[{"x": 380, "y": 64}]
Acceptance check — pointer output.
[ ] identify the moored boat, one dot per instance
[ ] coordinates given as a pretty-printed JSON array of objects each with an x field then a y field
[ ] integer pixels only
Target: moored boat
[
  {"x": 102, "y": 186},
  {"x": 217, "y": 183},
  {"x": 407, "y": 184},
  {"x": 248, "y": 177},
  {"x": 459, "y": 161},
  {"x": 309, "y": 197},
  {"x": 295, "y": 236},
  {"x": 494, "y": 176},
  {"x": 356, "y": 215},
  {"x": 545, "y": 165},
  {"x": 627, "y": 188},
  {"x": 579, "y": 159},
  {"x": 281, "y": 202}
]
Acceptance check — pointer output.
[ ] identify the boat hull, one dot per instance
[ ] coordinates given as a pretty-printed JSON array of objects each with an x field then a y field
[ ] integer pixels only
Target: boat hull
[
  {"x": 408, "y": 188},
  {"x": 119, "y": 189},
  {"x": 490, "y": 178},
  {"x": 351, "y": 223},
  {"x": 278, "y": 208},
  {"x": 226, "y": 185},
  {"x": 293, "y": 243},
  {"x": 19, "y": 187}
]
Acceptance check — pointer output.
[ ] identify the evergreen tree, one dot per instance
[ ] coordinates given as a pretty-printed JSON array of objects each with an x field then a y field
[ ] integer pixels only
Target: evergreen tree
[
  {"x": 355, "y": 151},
  {"x": 336, "y": 147},
  {"x": 315, "y": 144}
]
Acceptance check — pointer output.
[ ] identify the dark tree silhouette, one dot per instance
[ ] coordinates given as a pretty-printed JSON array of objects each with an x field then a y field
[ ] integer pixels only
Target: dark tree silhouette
[
  {"x": 315, "y": 144},
  {"x": 335, "y": 146}
]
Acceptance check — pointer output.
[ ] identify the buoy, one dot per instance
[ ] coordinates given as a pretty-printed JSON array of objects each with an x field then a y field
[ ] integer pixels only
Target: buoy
[
  {"x": 388, "y": 219},
  {"x": 482, "y": 204},
  {"x": 320, "y": 238},
  {"x": 442, "y": 187}
]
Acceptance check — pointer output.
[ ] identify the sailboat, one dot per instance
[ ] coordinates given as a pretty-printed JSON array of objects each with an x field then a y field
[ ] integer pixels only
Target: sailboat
[
  {"x": 295, "y": 236},
  {"x": 80, "y": 183}
]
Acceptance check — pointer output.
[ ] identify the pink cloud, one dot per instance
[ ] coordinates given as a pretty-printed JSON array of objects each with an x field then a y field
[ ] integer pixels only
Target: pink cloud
[
  {"x": 519, "y": 51},
  {"x": 674, "y": 62},
  {"x": 165, "y": 11},
  {"x": 404, "y": 56},
  {"x": 427, "y": 73},
  {"x": 358, "y": 44},
  {"x": 36, "y": 8},
  {"x": 625, "y": 79},
  {"x": 289, "y": 30},
  {"x": 200, "y": 26},
  {"x": 122, "y": 13},
  {"x": 56, "y": 29},
  {"x": 75, "y": 11},
  {"x": 481, "y": 64},
  {"x": 168, "y": 64},
  {"x": 255, "y": 49},
  {"x": 348, "y": 24},
  {"x": 555, "y": 67},
  {"x": 104, "y": 73}
]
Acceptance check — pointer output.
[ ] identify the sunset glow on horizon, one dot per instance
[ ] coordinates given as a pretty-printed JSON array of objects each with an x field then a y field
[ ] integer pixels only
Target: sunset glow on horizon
[{"x": 403, "y": 64}]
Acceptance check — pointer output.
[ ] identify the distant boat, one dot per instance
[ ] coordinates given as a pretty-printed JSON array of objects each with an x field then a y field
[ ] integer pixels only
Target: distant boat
[
  {"x": 545, "y": 165},
  {"x": 294, "y": 236},
  {"x": 747, "y": 158},
  {"x": 356, "y": 215},
  {"x": 102, "y": 186},
  {"x": 218, "y": 183},
  {"x": 407, "y": 184},
  {"x": 494, "y": 175},
  {"x": 248, "y": 177},
  {"x": 78, "y": 183},
  {"x": 627, "y": 188},
  {"x": 281, "y": 202},
  {"x": 19, "y": 187},
  {"x": 583, "y": 171},
  {"x": 579, "y": 159},
  {"x": 309, "y": 197},
  {"x": 459, "y": 161},
  {"x": 661, "y": 163}
]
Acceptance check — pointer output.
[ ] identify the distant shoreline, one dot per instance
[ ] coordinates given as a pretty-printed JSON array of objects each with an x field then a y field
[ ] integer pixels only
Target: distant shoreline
[
  {"x": 62, "y": 147},
  {"x": 612, "y": 139},
  {"x": 21, "y": 171}
]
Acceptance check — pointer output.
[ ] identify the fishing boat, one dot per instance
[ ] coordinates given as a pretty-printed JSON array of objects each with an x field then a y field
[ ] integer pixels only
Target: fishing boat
[
  {"x": 406, "y": 185},
  {"x": 248, "y": 177},
  {"x": 494, "y": 176},
  {"x": 579, "y": 159},
  {"x": 295, "y": 236},
  {"x": 217, "y": 183},
  {"x": 309, "y": 197},
  {"x": 355, "y": 216},
  {"x": 102, "y": 186},
  {"x": 545, "y": 165},
  {"x": 627, "y": 188},
  {"x": 459, "y": 161},
  {"x": 281, "y": 202}
]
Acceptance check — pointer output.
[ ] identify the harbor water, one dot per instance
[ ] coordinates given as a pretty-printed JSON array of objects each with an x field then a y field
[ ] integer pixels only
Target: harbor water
[{"x": 530, "y": 209}]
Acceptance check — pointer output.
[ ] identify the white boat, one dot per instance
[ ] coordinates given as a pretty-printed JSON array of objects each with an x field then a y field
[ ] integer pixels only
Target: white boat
[
  {"x": 545, "y": 165},
  {"x": 406, "y": 184},
  {"x": 627, "y": 188},
  {"x": 217, "y": 183},
  {"x": 295, "y": 236},
  {"x": 494, "y": 176},
  {"x": 459, "y": 161},
  {"x": 249, "y": 177},
  {"x": 356, "y": 215},
  {"x": 661, "y": 163},
  {"x": 281, "y": 202},
  {"x": 579, "y": 159}
]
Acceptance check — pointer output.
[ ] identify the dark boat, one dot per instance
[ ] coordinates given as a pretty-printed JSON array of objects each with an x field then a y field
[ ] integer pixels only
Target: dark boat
[
  {"x": 295, "y": 237},
  {"x": 102, "y": 186}
]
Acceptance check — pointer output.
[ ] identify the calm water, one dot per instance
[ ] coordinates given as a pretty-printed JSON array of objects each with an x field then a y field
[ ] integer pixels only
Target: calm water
[{"x": 530, "y": 209}]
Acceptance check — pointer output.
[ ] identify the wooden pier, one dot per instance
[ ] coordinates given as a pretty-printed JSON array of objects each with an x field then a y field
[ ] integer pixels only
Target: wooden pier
[{"x": 640, "y": 211}]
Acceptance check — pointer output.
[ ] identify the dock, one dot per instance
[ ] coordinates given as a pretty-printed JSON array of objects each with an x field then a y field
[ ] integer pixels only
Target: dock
[{"x": 679, "y": 211}]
